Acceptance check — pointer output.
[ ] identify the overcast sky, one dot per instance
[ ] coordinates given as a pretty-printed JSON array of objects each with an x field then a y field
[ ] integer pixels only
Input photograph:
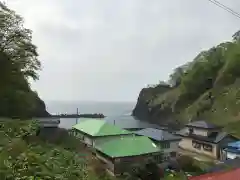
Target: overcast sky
[{"x": 107, "y": 50}]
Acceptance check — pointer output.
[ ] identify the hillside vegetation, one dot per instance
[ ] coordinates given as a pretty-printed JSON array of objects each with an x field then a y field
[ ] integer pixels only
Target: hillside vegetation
[
  {"x": 18, "y": 64},
  {"x": 25, "y": 156},
  {"x": 207, "y": 88}
]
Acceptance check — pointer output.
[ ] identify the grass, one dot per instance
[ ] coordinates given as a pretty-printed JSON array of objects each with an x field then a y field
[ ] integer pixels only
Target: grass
[{"x": 24, "y": 156}]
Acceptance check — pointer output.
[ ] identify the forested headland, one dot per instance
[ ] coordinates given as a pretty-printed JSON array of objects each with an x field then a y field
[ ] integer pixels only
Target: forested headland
[
  {"x": 208, "y": 88},
  {"x": 19, "y": 64}
]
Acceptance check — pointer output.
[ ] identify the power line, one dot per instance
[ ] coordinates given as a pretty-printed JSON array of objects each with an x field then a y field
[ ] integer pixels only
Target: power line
[
  {"x": 225, "y": 8},
  {"x": 236, "y": 14},
  {"x": 217, "y": 3}
]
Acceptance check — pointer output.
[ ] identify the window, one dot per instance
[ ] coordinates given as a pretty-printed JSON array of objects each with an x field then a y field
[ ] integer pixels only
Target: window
[
  {"x": 165, "y": 145},
  {"x": 207, "y": 147},
  {"x": 173, "y": 154},
  {"x": 158, "y": 158},
  {"x": 196, "y": 145},
  {"x": 80, "y": 136},
  {"x": 191, "y": 130},
  {"x": 72, "y": 132}
]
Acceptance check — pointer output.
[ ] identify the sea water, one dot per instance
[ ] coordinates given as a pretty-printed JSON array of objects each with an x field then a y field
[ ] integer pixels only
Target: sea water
[{"x": 115, "y": 111}]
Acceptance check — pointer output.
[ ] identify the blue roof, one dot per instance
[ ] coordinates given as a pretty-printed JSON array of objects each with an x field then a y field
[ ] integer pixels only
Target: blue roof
[
  {"x": 235, "y": 145},
  {"x": 235, "y": 151}
]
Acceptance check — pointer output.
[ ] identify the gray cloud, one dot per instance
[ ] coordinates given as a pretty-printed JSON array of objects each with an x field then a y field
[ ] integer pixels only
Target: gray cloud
[{"x": 110, "y": 49}]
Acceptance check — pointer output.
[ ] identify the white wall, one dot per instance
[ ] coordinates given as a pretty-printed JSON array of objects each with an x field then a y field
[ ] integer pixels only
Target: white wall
[
  {"x": 186, "y": 143},
  {"x": 173, "y": 148},
  {"x": 232, "y": 155},
  {"x": 88, "y": 141},
  {"x": 85, "y": 139},
  {"x": 200, "y": 132}
]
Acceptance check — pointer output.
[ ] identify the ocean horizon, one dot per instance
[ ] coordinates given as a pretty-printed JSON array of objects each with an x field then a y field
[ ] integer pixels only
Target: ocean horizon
[
  {"x": 119, "y": 112},
  {"x": 106, "y": 108}
]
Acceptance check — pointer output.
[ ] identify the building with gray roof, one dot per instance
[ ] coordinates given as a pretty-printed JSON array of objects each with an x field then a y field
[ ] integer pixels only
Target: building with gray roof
[
  {"x": 204, "y": 138},
  {"x": 165, "y": 140},
  {"x": 202, "y": 125}
]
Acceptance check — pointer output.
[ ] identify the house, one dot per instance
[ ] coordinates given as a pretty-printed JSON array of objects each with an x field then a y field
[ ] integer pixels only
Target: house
[
  {"x": 204, "y": 138},
  {"x": 224, "y": 175},
  {"x": 232, "y": 150},
  {"x": 93, "y": 131},
  {"x": 122, "y": 154},
  {"x": 165, "y": 140}
]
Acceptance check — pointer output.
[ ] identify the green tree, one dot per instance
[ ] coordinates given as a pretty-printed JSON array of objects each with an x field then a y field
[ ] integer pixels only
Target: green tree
[
  {"x": 231, "y": 71},
  {"x": 204, "y": 71},
  {"x": 176, "y": 77},
  {"x": 236, "y": 36},
  {"x": 16, "y": 42},
  {"x": 18, "y": 63}
]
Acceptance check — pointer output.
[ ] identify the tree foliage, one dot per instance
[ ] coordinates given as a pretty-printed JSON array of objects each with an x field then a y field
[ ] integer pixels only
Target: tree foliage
[
  {"x": 230, "y": 72},
  {"x": 16, "y": 42},
  {"x": 18, "y": 63},
  {"x": 146, "y": 171},
  {"x": 209, "y": 68},
  {"x": 196, "y": 87},
  {"x": 203, "y": 73},
  {"x": 38, "y": 159},
  {"x": 236, "y": 36},
  {"x": 176, "y": 76}
]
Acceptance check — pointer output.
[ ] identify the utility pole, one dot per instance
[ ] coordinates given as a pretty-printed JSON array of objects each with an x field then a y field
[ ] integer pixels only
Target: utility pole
[{"x": 77, "y": 117}]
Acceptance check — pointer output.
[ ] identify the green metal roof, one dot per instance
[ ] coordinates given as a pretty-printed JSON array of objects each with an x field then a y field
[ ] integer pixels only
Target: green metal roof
[
  {"x": 127, "y": 146},
  {"x": 96, "y": 127}
]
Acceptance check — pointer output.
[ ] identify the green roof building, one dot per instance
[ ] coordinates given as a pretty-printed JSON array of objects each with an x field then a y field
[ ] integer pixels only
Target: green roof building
[
  {"x": 95, "y": 127},
  {"x": 128, "y": 146},
  {"x": 94, "y": 131},
  {"x": 121, "y": 154}
]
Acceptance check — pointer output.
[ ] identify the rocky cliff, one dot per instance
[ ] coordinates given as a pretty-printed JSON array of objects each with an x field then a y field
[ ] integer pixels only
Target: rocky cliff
[
  {"x": 143, "y": 109},
  {"x": 148, "y": 110}
]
